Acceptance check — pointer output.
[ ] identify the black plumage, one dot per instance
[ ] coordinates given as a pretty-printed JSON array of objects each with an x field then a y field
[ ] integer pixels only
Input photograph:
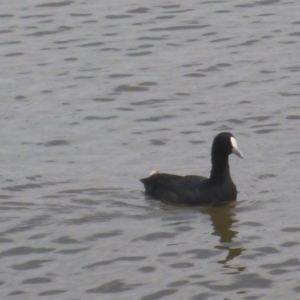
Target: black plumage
[{"x": 197, "y": 190}]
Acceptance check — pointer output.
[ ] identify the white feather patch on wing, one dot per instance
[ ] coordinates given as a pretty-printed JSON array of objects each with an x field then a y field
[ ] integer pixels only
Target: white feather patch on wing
[{"x": 153, "y": 172}]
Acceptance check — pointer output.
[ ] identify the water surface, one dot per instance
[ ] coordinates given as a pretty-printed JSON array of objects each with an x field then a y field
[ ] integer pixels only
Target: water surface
[{"x": 97, "y": 94}]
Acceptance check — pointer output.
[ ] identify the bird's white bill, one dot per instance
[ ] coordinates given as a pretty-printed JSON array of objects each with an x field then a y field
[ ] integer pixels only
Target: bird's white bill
[{"x": 235, "y": 148}]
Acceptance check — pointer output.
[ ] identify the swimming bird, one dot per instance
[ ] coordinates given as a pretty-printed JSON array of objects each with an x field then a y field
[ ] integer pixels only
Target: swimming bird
[{"x": 197, "y": 190}]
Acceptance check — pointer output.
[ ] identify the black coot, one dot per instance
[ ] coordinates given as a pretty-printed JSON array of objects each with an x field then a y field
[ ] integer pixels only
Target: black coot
[{"x": 196, "y": 190}]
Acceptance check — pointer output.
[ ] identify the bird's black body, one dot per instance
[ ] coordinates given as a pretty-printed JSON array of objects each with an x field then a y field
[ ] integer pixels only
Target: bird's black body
[
  {"x": 197, "y": 190},
  {"x": 191, "y": 189}
]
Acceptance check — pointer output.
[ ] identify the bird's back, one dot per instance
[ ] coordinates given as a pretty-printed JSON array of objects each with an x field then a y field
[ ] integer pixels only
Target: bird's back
[{"x": 178, "y": 189}]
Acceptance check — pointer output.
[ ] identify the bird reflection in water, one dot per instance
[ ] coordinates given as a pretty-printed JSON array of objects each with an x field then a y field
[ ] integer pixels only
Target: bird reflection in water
[{"x": 222, "y": 218}]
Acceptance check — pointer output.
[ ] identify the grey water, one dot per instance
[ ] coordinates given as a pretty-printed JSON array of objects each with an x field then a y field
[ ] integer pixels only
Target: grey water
[{"x": 95, "y": 95}]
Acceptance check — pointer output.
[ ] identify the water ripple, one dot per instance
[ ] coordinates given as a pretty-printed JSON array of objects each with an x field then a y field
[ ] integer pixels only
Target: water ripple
[{"x": 95, "y": 95}]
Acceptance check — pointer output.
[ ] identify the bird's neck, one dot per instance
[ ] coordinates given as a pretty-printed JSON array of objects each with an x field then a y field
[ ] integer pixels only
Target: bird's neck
[{"x": 220, "y": 170}]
